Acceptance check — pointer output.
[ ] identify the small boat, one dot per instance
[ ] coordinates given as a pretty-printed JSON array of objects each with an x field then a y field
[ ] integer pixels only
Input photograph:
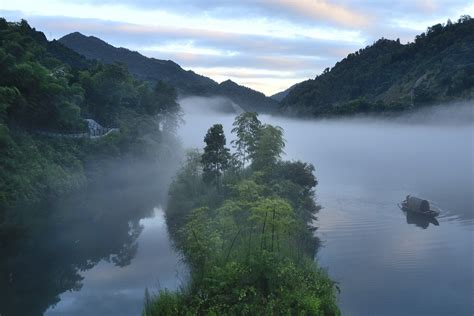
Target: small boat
[{"x": 419, "y": 206}]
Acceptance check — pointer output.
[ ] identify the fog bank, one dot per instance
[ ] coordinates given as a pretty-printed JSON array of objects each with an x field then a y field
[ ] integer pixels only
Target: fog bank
[{"x": 425, "y": 152}]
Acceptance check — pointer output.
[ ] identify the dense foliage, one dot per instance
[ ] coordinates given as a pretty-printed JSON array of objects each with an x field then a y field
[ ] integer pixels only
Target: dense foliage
[
  {"x": 389, "y": 76},
  {"x": 45, "y": 88},
  {"x": 247, "y": 128},
  {"x": 215, "y": 159},
  {"x": 250, "y": 244},
  {"x": 152, "y": 69}
]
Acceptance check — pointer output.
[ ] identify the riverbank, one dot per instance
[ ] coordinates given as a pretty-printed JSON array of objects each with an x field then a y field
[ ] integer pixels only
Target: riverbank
[{"x": 46, "y": 91}]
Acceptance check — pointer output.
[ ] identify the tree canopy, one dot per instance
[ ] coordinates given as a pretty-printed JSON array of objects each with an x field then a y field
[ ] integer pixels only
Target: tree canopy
[
  {"x": 46, "y": 88},
  {"x": 246, "y": 127},
  {"x": 269, "y": 147},
  {"x": 215, "y": 158}
]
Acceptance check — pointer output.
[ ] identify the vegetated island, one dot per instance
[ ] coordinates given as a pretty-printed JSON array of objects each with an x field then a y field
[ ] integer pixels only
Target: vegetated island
[{"x": 244, "y": 224}]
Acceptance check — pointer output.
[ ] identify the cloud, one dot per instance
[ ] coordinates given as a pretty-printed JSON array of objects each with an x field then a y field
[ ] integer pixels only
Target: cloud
[
  {"x": 292, "y": 38},
  {"x": 366, "y": 14},
  {"x": 427, "y": 5},
  {"x": 141, "y": 35},
  {"x": 322, "y": 10},
  {"x": 288, "y": 9},
  {"x": 287, "y": 66}
]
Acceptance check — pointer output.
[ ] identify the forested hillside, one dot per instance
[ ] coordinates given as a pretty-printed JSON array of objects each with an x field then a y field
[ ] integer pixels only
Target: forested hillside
[
  {"x": 41, "y": 95},
  {"x": 144, "y": 68},
  {"x": 389, "y": 76},
  {"x": 152, "y": 69}
]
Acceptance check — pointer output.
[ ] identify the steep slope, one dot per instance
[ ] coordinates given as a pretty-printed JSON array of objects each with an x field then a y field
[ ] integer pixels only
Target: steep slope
[
  {"x": 152, "y": 69},
  {"x": 388, "y": 76},
  {"x": 67, "y": 55},
  {"x": 142, "y": 67}
]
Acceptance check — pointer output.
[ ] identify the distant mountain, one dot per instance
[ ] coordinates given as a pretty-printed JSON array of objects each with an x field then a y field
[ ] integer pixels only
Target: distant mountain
[
  {"x": 152, "y": 69},
  {"x": 389, "y": 76},
  {"x": 282, "y": 94},
  {"x": 246, "y": 97}
]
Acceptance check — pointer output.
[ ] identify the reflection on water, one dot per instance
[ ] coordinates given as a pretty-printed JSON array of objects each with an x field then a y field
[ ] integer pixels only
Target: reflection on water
[
  {"x": 419, "y": 220},
  {"x": 109, "y": 289},
  {"x": 74, "y": 253}
]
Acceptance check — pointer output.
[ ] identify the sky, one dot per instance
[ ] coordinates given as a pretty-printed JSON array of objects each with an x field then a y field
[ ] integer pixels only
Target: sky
[{"x": 267, "y": 45}]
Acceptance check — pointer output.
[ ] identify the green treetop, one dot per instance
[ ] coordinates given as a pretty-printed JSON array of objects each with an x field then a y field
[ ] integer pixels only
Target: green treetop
[
  {"x": 215, "y": 158},
  {"x": 269, "y": 147},
  {"x": 247, "y": 128}
]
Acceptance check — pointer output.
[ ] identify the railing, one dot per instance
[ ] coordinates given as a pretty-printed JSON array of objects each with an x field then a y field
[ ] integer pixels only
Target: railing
[{"x": 95, "y": 131}]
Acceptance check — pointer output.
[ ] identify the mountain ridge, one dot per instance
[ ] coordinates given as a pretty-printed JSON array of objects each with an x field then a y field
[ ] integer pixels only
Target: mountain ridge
[{"x": 186, "y": 82}]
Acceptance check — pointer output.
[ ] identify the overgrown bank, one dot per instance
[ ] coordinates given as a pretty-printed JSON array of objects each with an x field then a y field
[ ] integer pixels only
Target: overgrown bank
[
  {"x": 68, "y": 203},
  {"x": 47, "y": 88},
  {"x": 244, "y": 224}
]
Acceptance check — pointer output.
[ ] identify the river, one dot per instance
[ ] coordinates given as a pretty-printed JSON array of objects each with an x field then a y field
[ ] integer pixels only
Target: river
[
  {"x": 386, "y": 262},
  {"x": 99, "y": 261}
]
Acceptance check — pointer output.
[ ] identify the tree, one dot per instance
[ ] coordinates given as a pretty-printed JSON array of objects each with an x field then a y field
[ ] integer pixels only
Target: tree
[
  {"x": 167, "y": 108},
  {"x": 300, "y": 173},
  {"x": 269, "y": 147},
  {"x": 216, "y": 156},
  {"x": 275, "y": 217},
  {"x": 191, "y": 173},
  {"x": 247, "y": 128}
]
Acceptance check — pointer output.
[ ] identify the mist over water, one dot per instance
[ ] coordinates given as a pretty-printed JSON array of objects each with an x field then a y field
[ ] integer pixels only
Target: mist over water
[
  {"x": 99, "y": 249},
  {"x": 95, "y": 251},
  {"x": 425, "y": 152},
  {"x": 386, "y": 262}
]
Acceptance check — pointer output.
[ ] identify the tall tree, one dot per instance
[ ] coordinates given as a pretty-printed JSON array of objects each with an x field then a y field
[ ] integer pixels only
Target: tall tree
[
  {"x": 247, "y": 128},
  {"x": 215, "y": 158},
  {"x": 168, "y": 109},
  {"x": 269, "y": 147}
]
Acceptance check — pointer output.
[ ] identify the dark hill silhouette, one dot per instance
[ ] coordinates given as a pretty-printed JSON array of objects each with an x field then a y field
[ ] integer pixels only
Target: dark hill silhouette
[
  {"x": 152, "y": 69},
  {"x": 389, "y": 76},
  {"x": 246, "y": 97}
]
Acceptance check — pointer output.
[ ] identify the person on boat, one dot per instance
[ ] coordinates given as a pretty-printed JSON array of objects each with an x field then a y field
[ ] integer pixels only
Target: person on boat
[{"x": 407, "y": 198}]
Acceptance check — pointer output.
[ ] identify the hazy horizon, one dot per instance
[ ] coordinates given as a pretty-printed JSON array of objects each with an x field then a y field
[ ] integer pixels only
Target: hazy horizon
[{"x": 265, "y": 45}]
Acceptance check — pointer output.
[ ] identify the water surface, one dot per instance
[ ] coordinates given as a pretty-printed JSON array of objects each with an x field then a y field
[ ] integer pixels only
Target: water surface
[
  {"x": 387, "y": 262},
  {"x": 96, "y": 252}
]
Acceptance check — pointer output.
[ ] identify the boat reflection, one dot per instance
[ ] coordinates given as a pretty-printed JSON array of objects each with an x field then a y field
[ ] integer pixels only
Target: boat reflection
[{"x": 420, "y": 220}]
